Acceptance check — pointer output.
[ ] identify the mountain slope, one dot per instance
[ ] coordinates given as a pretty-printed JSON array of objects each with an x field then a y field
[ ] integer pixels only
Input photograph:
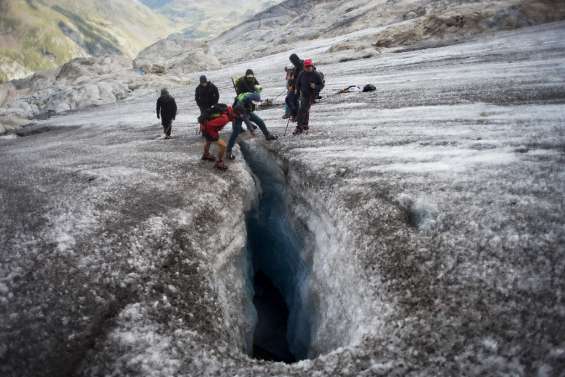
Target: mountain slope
[
  {"x": 204, "y": 19},
  {"x": 395, "y": 23},
  {"x": 42, "y": 34}
]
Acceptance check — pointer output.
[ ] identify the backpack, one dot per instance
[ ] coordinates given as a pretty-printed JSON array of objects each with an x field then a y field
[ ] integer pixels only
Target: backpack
[
  {"x": 237, "y": 85},
  {"x": 212, "y": 112},
  {"x": 322, "y": 77}
]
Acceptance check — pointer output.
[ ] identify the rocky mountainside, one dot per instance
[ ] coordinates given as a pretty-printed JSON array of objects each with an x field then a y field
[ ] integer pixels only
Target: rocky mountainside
[
  {"x": 176, "y": 54},
  {"x": 78, "y": 84},
  {"x": 385, "y": 23},
  {"x": 355, "y": 30},
  {"x": 37, "y": 35},
  {"x": 205, "y": 19}
]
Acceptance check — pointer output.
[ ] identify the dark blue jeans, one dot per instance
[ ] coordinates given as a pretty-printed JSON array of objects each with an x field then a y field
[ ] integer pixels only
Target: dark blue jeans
[
  {"x": 247, "y": 118},
  {"x": 292, "y": 103}
]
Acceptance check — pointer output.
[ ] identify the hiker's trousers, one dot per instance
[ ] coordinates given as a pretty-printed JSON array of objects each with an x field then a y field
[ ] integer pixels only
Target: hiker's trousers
[
  {"x": 236, "y": 127},
  {"x": 303, "y": 117},
  {"x": 167, "y": 125}
]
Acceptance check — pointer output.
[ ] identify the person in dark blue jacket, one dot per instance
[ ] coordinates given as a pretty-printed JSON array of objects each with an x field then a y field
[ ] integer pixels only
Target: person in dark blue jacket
[{"x": 308, "y": 85}]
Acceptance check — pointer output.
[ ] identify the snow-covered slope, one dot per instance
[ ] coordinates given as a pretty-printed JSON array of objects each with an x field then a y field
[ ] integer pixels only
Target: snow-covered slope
[{"x": 432, "y": 209}]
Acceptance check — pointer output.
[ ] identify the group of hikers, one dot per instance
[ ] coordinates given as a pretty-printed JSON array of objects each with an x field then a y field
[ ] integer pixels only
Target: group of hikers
[{"x": 304, "y": 84}]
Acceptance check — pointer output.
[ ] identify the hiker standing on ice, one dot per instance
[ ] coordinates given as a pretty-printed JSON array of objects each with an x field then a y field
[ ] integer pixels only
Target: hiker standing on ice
[
  {"x": 308, "y": 85},
  {"x": 243, "y": 109},
  {"x": 167, "y": 112},
  {"x": 292, "y": 96},
  {"x": 206, "y": 94},
  {"x": 247, "y": 83},
  {"x": 291, "y": 102}
]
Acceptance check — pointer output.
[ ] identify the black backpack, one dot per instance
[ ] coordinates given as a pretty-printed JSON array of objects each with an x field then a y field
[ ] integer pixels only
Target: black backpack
[
  {"x": 323, "y": 78},
  {"x": 213, "y": 112}
]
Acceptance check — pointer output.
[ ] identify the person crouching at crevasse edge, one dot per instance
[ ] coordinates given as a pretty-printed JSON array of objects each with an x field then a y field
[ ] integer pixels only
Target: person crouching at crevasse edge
[
  {"x": 210, "y": 128},
  {"x": 243, "y": 108},
  {"x": 167, "y": 112},
  {"x": 308, "y": 85}
]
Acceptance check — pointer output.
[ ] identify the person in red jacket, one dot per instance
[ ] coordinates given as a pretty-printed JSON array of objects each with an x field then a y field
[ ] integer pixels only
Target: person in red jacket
[{"x": 211, "y": 131}]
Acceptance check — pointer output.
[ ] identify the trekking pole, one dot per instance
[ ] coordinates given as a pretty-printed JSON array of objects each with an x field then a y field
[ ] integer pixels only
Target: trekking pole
[
  {"x": 234, "y": 87},
  {"x": 283, "y": 92},
  {"x": 287, "y": 122}
]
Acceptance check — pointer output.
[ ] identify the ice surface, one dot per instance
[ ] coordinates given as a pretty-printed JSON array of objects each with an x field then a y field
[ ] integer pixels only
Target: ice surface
[{"x": 435, "y": 206}]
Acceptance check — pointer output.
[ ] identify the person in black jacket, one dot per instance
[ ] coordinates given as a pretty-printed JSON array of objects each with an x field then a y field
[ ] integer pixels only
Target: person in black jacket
[
  {"x": 247, "y": 83},
  {"x": 292, "y": 97},
  {"x": 298, "y": 66},
  {"x": 308, "y": 84},
  {"x": 206, "y": 94},
  {"x": 167, "y": 112}
]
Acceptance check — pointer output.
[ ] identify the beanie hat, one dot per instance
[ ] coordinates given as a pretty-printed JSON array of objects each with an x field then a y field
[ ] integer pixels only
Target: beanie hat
[
  {"x": 308, "y": 63},
  {"x": 249, "y": 72},
  {"x": 294, "y": 58},
  {"x": 203, "y": 79}
]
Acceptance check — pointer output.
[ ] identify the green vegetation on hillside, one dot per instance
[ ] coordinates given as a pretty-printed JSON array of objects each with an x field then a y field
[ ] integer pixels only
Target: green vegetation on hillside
[
  {"x": 42, "y": 34},
  {"x": 95, "y": 39}
]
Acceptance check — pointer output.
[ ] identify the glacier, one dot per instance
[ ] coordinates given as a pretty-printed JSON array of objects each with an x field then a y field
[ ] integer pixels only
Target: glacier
[{"x": 425, "y": 222}]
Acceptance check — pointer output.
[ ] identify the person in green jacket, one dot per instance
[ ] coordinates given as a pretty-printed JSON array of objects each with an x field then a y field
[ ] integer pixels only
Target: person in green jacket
[{"x": 243, "y": 109}]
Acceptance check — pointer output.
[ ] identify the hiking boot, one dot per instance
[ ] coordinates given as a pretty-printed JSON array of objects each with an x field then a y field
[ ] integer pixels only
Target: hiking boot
[
  {"x": 293, "y": 119},
  {"x": 208, "y": 157},
  {"x": 220, "y": 165},
  {"x": 270, "y": 137},
  {"x": 230, "y": 156},
  {"x": 297, "y": 131}
]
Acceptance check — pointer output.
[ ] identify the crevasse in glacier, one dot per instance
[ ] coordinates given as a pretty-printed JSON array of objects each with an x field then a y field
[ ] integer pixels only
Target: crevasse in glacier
[{"x": 281, "y": 275}]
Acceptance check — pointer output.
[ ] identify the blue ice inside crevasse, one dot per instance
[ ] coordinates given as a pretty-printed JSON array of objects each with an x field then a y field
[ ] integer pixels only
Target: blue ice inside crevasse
[{"x": 280, "y": 275}]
